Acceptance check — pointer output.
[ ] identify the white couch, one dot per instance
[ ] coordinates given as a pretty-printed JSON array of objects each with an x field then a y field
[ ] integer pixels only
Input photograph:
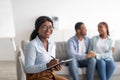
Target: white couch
[{"x": 61, "y": 53}]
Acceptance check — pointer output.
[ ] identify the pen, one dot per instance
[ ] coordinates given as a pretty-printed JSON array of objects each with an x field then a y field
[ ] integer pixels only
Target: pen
[{"x": 52, "y": 57}]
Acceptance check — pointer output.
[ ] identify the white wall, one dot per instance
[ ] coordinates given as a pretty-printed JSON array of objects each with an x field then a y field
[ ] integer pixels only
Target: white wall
[
  {"x": 6, "y": 30},
  {"x": 91, "y": 12},
  {"x": 6, "y": 19}
]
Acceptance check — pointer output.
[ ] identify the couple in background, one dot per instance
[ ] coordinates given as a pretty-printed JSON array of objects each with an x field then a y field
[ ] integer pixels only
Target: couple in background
[{"x": 95, "y": 53}]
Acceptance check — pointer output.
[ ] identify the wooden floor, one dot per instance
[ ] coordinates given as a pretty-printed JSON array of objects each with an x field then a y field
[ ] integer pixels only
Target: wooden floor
[{"x": 7, "y": 70}]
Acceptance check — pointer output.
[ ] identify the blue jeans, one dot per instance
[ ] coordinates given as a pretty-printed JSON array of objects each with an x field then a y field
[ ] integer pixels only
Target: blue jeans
[
  {"x": 105, "y": 68},
  {"x": 90, "y": 64}
]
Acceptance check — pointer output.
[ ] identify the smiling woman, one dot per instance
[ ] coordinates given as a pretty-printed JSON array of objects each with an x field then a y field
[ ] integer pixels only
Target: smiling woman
[
  {"x": 39, "y": 51},
  {"x": 42, "y": 24},
  {"x": 102, "y": 45},
  {"x": 45, "y": 30}
]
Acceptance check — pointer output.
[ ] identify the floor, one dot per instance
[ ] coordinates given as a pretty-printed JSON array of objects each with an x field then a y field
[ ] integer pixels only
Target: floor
[{"x": 7, "y": 70}]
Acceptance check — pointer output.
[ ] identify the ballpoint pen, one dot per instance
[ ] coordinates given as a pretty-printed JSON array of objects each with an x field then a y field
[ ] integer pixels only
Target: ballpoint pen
[{"x": 52, "y": 57}]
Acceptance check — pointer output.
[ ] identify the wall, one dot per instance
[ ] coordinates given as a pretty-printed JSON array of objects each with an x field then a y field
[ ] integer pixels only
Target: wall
[
  {"x": 91, "y": 12},
  {"x": 6, "y": 30}
]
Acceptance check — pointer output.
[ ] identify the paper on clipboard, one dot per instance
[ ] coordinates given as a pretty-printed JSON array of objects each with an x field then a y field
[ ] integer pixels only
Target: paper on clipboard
[{"x": 61, "y": 62}]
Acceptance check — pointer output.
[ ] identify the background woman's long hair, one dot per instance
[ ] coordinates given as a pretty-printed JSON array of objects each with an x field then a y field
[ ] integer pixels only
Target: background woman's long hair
[{"x": 38, "y": 24}]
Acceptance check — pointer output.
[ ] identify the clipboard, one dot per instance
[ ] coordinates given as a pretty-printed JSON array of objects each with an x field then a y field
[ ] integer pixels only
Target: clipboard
[{"x": 59, "y": 63}]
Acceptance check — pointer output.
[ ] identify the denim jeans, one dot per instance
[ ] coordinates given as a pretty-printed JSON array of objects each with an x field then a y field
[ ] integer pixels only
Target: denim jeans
[
  {"x": 105, "y": 68},
  {"x": 90, "y": 64}
]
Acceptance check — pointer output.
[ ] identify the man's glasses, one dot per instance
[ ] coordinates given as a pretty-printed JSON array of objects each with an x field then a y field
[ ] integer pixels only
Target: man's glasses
[{"x": 46, "y": 27}]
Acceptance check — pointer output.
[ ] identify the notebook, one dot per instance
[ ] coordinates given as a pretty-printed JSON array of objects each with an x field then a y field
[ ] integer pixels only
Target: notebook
[{"x": 59, "y": 63}]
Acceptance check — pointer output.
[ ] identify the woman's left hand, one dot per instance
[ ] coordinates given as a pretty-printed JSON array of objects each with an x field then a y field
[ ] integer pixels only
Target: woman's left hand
[{"x": 58, "y": 68}]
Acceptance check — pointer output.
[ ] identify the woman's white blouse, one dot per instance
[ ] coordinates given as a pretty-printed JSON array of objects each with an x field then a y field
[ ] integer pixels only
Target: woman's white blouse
[{"x": 36, "y": 57}]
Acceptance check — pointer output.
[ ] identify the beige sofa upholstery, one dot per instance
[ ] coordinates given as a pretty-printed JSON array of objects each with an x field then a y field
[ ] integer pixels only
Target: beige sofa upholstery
[{"x": 61, "y": 53}]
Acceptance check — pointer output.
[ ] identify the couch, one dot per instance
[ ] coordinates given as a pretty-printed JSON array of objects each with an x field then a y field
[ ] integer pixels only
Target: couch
[{"x": 61, "y": 54}]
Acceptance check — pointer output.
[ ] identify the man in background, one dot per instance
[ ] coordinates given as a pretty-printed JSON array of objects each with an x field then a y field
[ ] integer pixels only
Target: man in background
[{"x": 78, "y": 48}]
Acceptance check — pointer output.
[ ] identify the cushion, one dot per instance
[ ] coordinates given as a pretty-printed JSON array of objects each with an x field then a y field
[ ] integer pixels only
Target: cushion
[
  {"x": 61, "y": 50},
  {"x": 65, "y": 71},
  {"x": 116, "y": 54},
  {"x": 117, "y": 68},
  {"x": 24, "y": 44}
]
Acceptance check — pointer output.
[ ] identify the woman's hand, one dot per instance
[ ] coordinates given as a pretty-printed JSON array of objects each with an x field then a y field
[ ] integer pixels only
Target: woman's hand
[
  {"x": 53, "y": 62},
  {"x": 91, "y": 54},
  {"x": 58, "y": 68}
]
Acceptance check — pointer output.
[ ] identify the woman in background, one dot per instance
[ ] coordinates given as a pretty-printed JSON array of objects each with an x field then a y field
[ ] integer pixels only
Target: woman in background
[
  {"x": 39, "y": 52},
  {"x": 102, "y": 46}
]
